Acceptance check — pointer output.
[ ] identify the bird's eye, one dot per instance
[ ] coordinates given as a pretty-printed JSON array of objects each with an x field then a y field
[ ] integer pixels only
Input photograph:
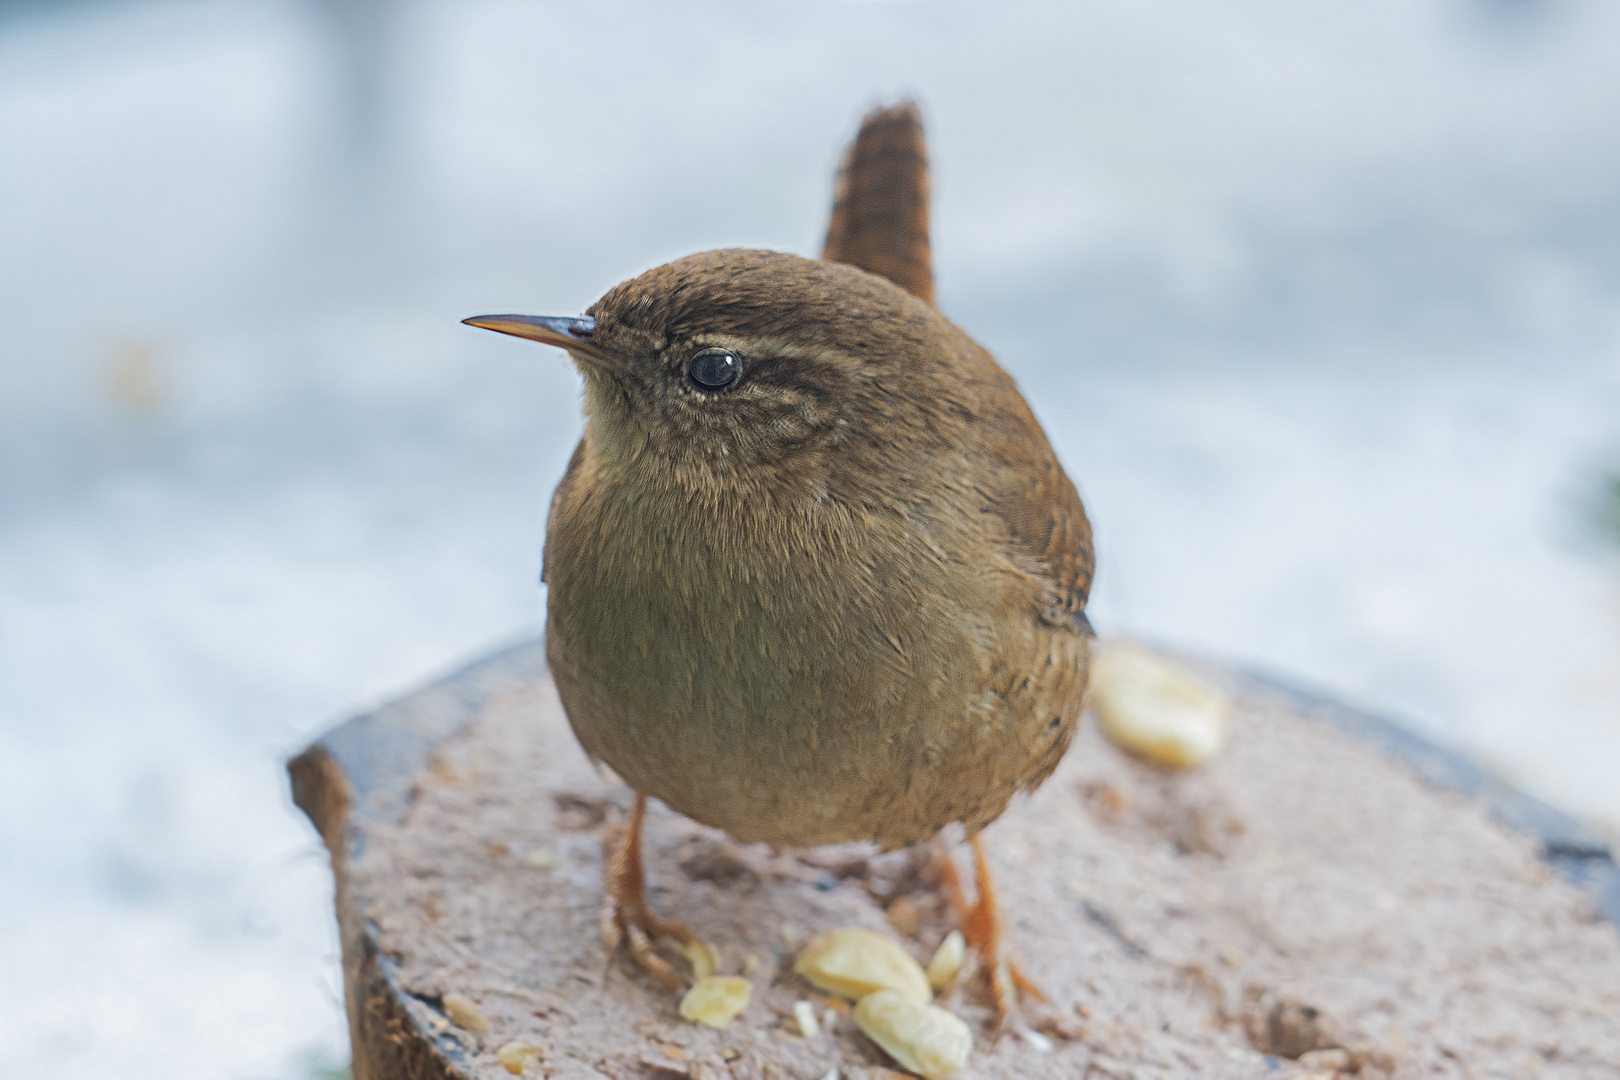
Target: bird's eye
[{"x": 713, "y": 369}]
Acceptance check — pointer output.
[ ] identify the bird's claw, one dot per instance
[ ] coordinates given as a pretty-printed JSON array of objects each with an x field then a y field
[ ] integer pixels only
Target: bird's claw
[
  {"x": 980, "y": 923},
  {"x": 628, "y": 921},
  {"x": 638, "y": 929}
]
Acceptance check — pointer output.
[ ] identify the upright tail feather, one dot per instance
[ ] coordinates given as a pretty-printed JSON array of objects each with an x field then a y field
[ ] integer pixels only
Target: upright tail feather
[{"x": 880, "y": 206}]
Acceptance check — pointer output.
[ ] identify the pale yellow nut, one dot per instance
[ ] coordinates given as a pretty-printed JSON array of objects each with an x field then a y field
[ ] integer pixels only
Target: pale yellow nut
[
  {"x": 854, "y": 962},
  {"x": 704, "y": 958},
  {"x": 947, "y": 961},
  {"x": 805, "y": 1014},
  {"x": 923, "y": 1038},
  {"x": 1154, "y": 708},
  {"x": 715, "y": 999},
  {"x": 517, "y": 1054},
  {"x": 464, "y": 1012}
]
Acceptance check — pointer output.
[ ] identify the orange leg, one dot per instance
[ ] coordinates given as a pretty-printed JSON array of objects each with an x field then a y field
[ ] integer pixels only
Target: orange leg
[
  {"x": 626, "y": 918},
  {"x": 981, "y": 927}
]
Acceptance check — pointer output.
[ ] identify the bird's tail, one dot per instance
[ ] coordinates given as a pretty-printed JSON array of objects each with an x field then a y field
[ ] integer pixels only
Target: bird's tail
[{"x": 880, "y": 205}]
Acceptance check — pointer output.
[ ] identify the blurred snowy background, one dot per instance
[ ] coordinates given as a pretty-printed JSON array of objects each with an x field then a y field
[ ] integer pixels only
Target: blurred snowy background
[{"x": 1320, "y": 304}]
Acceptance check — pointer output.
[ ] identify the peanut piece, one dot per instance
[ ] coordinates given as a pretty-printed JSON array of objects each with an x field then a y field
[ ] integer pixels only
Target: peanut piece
[
  {"x": 805, "y": 1014},
  {"x": 854, "y": 962},
  {"x": 715, "y": 999},
  {"x": 464, "y": 1012},
  {"x": 1155, "y": 709},
  {"x": 948, "y": 960},
  {"x": 923, "y": 1038},
  {"x": 517, "y": 1054}
]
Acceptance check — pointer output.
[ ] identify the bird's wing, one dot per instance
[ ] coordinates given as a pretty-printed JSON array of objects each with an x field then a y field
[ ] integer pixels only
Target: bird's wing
[
  {"x": 1045, "y": 521},
  {"x": 880, "y": 205}
]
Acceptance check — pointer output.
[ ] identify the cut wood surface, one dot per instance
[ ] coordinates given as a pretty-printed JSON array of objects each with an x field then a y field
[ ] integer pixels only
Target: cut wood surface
[{"x": 1330, "y": 896}]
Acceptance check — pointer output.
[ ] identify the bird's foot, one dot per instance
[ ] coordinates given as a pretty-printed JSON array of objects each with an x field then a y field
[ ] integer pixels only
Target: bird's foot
[
  {"x": 980, "y": 922},
  {"x": 628, "y": 921}
]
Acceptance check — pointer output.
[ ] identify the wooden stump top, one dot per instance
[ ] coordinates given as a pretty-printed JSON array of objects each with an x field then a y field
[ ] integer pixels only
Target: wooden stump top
[{"x": 1330, "y": 896}]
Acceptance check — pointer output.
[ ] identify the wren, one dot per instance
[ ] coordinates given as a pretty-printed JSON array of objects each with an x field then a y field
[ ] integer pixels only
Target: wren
[{"x": 815, "y": 573}]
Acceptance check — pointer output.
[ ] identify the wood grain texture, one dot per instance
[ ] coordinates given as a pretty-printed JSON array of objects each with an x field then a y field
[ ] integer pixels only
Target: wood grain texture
[{"x": 880, "y": 203}]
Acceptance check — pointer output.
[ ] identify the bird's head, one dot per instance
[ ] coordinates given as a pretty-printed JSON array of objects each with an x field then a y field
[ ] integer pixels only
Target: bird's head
[{"x": 734, "y": 365}]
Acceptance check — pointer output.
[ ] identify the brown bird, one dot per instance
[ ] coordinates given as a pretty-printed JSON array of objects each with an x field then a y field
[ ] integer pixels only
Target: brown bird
[{"x": 815, "y": 573}]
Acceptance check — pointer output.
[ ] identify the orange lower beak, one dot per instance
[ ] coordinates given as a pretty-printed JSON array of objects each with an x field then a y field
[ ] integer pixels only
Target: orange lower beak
[{"x": 564, "y": 332}]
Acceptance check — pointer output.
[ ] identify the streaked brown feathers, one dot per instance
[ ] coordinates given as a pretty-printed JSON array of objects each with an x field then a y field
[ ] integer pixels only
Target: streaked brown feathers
[{"x": 880, "y": 204}]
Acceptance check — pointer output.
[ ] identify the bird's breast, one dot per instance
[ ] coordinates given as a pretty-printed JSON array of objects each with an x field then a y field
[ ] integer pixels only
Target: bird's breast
[{"x": 789, "y": 677}]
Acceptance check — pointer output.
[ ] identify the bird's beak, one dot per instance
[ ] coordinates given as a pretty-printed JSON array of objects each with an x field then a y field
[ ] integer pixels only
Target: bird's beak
[{"x": 561, "y": 331}]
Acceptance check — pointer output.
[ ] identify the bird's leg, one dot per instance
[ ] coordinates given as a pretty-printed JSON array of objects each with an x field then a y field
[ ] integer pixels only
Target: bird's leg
[
  {"x": 980, "y": 922},
  {"x": 626, "y": 918}
]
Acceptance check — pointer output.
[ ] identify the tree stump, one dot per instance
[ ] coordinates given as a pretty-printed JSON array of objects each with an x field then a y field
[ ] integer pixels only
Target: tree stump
[{"x": 1329, "y": 897}]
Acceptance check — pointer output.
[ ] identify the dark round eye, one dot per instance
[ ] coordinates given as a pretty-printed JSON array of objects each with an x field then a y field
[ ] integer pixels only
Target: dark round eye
[{"x": 714, "y": 369}]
